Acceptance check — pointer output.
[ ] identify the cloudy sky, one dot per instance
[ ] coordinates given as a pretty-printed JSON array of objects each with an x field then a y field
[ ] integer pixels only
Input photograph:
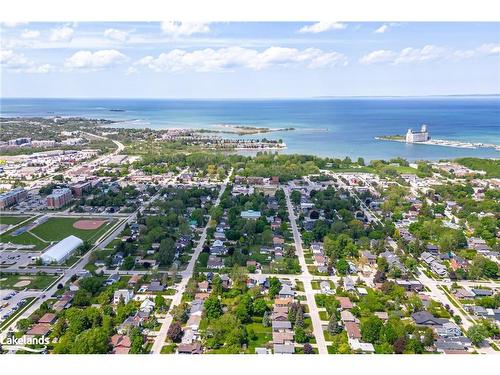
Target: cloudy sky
[{"x": 248, "y": 60}]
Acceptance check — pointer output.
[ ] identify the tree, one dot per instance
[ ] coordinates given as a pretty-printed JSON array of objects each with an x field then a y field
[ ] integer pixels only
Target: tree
[
  {"x": 213, "y": 308},
  {"x": 300, "y": 335},
  {"x": 160, "y": 303},
  {"x": 342, "y": 266},
  {"x": 333, "y": 326},
  {"x": 81, "y": 298},
  {"x": 244, "y": 309},
  {"x": 299, "y": 319},
  {"x": 180, "y": 312},
  {"x": 166, "y": 253},
  {"x": 175, "y": 332},
  {"x": 477, "y": 333},
  {"x": 308, "y": 349},
  {"x": 370, "y": 329},
  {"x": 92, "y": 341},
  {"x": 399, "y": 345},
  {"x": 274, "y": 287},
  {"x": 260, "y": 307},
  {"x": 266, "y": 320}
]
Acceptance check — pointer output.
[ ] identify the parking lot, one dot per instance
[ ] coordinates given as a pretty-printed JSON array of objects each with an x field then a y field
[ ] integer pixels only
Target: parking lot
[
  {"x": 17, "y": 258},
  {"x": 11, "y": 301}
]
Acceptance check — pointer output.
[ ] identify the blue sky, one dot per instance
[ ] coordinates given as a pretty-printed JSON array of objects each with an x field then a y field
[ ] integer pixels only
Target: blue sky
[{"x": 249, "y": 60}]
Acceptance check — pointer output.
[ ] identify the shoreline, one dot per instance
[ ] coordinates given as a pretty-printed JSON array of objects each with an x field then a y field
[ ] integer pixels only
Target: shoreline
[{"x": 444, "y": 143}]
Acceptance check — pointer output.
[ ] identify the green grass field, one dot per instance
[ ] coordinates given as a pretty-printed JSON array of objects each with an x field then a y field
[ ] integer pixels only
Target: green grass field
[
  {"x": 25, "y": 239},
  {"x": 9, "y": 281},
  {"x": 12, "y": 220},
  {"x": 55, "y": 229}
]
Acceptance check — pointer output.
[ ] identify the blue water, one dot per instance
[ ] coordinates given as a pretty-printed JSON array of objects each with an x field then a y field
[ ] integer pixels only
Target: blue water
[{"x": 325, "y": 127}]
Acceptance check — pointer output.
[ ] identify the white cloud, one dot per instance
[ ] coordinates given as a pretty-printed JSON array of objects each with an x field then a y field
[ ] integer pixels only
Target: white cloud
[
  {"x": 12, "y": 60},
  {"x": 88, "y": 60},
  {"x": 320, "y": 27},
  {"x": 405, "y": 56},
  {"x": 382, "y": 29},
  {"x": 18, "y": 63},
  {"x": 378, "y": 56},
  {"x": 131, "y": 71},
  {"x": 12, "y": 24},
  {"x": 237, "y": 57},
  {"x": 176, "y": 29},
  {"x": 483, "y": 50},
  {"x": 62, "y": 34},
  {"x": 30, "y": 34},
  {"x": 115, "y": 34}
]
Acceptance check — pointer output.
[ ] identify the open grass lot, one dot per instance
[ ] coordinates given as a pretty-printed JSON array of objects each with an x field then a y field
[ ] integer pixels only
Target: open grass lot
[
  {"x": 12, "y": 220},
  {"x": 19, "y": 282},
  {"x": 25, "y": 238},
  {"x": 260, "y": 337},
  {"x": 56, "y": 229}
]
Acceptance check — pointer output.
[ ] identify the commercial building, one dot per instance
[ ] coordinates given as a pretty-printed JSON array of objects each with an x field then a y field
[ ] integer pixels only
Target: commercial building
[
  {"x": 421, "y": 136},
  {"x": 59, "y": 198},
  {"x": 61, "y": 250},
  {"x": 19, "y": 141},
  {"x": 81, "y": 187},
  {"x": 12, "y": 197}
]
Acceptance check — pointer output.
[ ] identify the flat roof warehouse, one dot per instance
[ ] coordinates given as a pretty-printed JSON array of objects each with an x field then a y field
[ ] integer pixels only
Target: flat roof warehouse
[{"x": 61, "y": 250}]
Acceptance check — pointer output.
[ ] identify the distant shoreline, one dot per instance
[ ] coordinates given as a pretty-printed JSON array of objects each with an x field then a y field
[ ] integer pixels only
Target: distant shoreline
[{"x": 441, "y": 142}]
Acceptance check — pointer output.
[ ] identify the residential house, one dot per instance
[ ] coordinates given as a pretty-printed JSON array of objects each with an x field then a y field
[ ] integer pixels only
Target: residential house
[
  {"x": 284, "y": 349},
  {"x": 281, "y": 325},
  {"x": 123, "y": 295},
  {"x": 425, "y": 318},
  {"x": 286, "y": 291},
  {"x": 353, "y": 331},
  {"x": 345, "y": 302},
  {"x": 193, "y": 348},
  {"x": 120, "y": 344}
]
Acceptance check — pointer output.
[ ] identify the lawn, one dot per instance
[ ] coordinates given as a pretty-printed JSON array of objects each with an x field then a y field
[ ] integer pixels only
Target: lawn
[
  {"x": 12, "y": 220},
  {"x": 262, "y": 335},
  {"x": 299, "y": 286},
  {"x": 58, "y": 228},
  {"x": 168, "y": 349},
  {"x": 8, "y": 281},
  {"x": 323, "y": 315},
  {"x": 25, "y": 238}
]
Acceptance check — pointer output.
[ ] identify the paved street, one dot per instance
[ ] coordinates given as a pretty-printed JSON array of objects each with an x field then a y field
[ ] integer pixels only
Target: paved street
[
  {"x": 186, "y": 275},
  {"x": 306, "y": 278}
]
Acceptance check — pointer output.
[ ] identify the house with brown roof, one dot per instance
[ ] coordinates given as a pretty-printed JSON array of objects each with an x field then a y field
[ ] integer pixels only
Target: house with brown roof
[
  {"x": 193, "y": 348},
  {"x": 39, "y": 329},
  {"x": 347, "y": 316},
  {"x": 121, "y": 344},
  {"x": 201, "y": 296},
  {"x": 203, "y": 286},
  {"x": 283, "y": 302},
  {"x": 352, "y": 330},
  {"x": 282, "y": 337},
  {"x": 48, "y": 318},
  {"x": 345, "y": 302},
  {"x": 280, "y": 316}
]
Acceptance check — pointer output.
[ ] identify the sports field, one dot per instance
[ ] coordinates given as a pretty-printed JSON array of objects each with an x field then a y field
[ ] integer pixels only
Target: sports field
[
  {"x": 12, "y": 220},
  {"x": 56, "y": 229},
  {"x": 20, "y": 282}
]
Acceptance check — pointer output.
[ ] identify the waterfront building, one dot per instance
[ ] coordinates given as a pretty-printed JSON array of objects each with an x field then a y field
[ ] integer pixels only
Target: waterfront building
[{"x": 415, "y": 136}]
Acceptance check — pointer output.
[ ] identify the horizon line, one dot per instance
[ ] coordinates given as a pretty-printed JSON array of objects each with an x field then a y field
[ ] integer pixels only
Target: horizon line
[{"x": 257, "y": 98}]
